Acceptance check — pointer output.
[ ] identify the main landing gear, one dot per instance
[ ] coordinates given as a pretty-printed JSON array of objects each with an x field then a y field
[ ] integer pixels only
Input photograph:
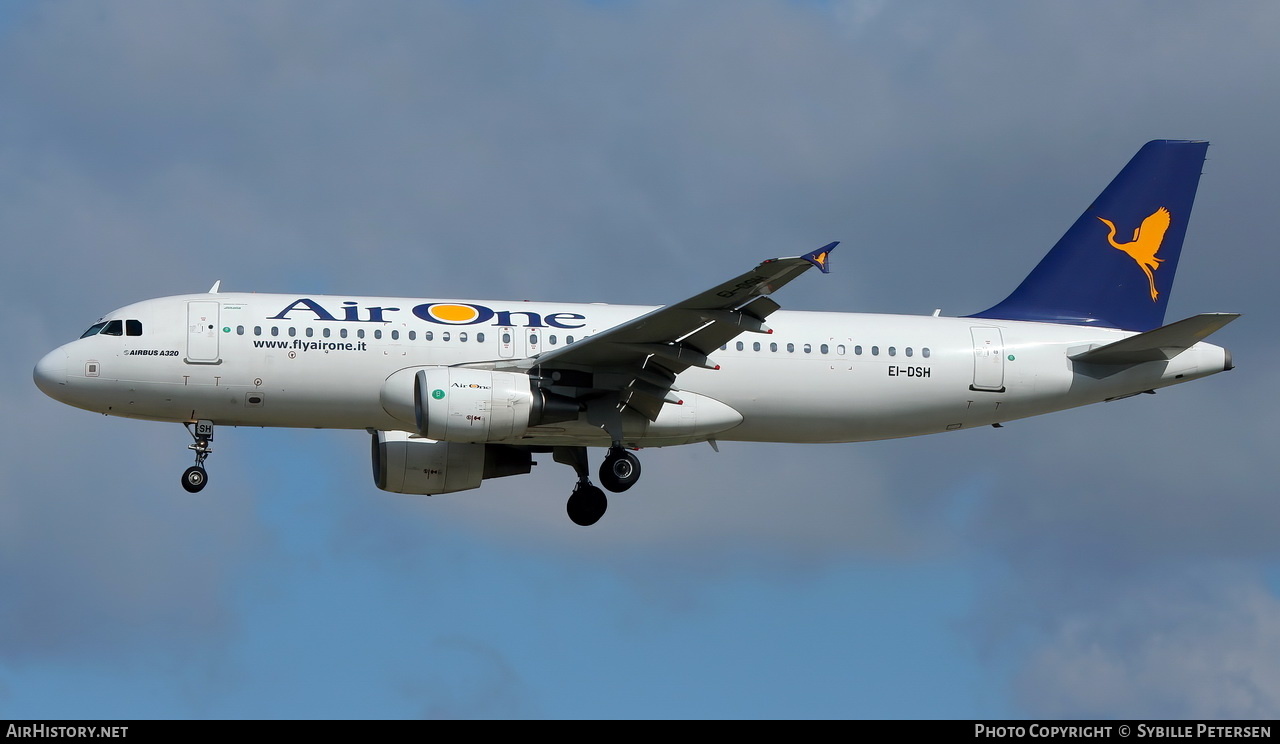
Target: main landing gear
[
  {"x": 194, "y": 478},
  {"x": 619, "y": 471}
]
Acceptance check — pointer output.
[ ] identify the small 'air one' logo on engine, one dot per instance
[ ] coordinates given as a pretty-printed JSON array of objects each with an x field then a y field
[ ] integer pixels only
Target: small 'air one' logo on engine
[{"x": 1145, "y": 244}]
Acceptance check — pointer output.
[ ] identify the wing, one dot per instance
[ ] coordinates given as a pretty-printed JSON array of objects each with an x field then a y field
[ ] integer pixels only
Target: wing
[
  {"x": 638, "y": 361},
  {"x": 1155, "y": 225}
]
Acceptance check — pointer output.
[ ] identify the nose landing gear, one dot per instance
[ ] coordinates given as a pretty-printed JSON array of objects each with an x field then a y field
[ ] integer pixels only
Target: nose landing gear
[{"x": 194, "y": 478}]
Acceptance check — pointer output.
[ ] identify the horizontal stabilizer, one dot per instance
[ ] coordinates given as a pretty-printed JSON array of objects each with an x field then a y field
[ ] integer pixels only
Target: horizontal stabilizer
[{"x": 1163, "y": 343}]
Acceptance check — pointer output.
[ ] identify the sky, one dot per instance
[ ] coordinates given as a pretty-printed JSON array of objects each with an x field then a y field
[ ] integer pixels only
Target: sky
[{"x": 1116, "y": 561}]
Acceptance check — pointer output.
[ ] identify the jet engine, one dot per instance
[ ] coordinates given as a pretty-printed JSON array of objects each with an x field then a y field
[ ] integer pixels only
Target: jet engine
[
  {"x": 407, "y": 463},
  {"x": 457, "y": 404}
]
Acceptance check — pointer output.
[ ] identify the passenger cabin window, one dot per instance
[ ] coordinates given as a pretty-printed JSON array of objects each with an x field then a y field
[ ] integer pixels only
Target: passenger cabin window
[{"x": 824, "y": 348}]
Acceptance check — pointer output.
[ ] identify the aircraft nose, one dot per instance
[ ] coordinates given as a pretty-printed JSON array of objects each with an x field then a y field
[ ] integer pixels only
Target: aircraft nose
[{"x": 51, "y": 373}]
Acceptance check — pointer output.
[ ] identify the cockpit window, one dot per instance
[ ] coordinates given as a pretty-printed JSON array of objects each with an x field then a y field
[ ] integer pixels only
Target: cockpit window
[
  {"x": 113, "y": 328},
  {"x": 133, "y": 328},
  {"x": 93, "y": 329}
]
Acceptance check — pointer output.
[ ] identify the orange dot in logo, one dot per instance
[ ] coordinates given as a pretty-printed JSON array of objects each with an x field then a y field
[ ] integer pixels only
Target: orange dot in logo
[{"x": 454, "y": 313}]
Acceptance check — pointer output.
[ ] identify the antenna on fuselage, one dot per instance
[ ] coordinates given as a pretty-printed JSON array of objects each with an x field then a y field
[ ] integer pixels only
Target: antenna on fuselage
[{"x": 214, "y": 288}]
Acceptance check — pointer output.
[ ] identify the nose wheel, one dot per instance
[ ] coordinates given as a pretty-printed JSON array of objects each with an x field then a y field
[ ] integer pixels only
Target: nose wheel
[{"x": 194, "y": 478}]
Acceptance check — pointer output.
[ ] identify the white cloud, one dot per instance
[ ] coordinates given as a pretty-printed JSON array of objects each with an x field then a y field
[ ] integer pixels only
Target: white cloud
[{"x": 1200, "y": 646}]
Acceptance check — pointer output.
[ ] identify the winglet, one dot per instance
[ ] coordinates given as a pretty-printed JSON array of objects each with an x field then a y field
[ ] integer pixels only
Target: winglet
[{"x": 821, "y": 256}]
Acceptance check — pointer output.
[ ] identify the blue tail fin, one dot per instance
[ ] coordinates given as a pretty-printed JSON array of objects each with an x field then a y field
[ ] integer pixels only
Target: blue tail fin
[{"x": 1115, "y": 266}]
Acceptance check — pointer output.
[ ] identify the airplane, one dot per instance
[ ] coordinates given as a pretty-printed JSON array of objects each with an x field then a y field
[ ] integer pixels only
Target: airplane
[{"x": 454, "y": 392}]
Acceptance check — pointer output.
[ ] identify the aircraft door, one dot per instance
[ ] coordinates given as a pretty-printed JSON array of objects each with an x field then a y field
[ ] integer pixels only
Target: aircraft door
[
  {"x": 988, "y": 360},
  {"x": 509, "y": 342},
  {"x": 202, "y": 332}
]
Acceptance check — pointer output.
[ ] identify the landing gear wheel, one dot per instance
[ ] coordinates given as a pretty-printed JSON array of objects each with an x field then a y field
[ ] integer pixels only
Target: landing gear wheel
[
  {"x": 194, "y": 479},
  {"x": 587, "y": 504},
  {"x": 620, "y": 470}
]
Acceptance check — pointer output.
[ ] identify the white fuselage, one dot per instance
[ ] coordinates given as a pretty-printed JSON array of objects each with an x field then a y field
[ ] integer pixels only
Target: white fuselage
[{"x": 323, "y": 362}]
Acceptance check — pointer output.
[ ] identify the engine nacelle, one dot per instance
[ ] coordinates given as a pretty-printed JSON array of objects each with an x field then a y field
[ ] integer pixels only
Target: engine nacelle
[
  {"x": 407, "y": 463},
  {"x": 458, "y": 404}
]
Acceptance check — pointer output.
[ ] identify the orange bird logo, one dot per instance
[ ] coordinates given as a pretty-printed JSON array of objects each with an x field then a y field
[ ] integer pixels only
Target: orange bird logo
[{"x": 1145, "y": 244}]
